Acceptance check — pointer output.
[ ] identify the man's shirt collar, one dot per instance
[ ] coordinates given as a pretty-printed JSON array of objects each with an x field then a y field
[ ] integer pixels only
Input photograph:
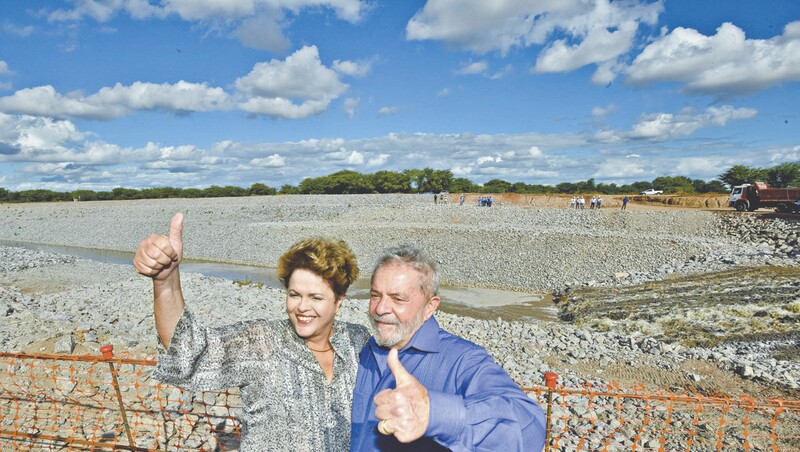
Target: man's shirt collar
[{"x": 426, "y": 340}]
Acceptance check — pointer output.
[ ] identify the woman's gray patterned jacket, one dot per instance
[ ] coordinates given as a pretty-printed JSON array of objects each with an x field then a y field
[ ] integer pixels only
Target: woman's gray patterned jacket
[{"x": 287, "y": 402}]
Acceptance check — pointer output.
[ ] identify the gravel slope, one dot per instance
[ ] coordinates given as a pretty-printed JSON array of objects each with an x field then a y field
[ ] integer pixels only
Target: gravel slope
[{"x": 524, "y": 248}]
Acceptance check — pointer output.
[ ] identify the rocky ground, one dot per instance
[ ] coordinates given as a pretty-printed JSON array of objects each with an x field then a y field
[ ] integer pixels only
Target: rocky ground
[{"x": 675, "y": 298}]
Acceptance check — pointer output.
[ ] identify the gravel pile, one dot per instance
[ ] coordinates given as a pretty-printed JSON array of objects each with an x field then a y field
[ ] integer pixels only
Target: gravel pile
[
  {"x": 500, "y": 247},
  {"x": 22, "y": 259},
  {"x": 772, "y": 236}
]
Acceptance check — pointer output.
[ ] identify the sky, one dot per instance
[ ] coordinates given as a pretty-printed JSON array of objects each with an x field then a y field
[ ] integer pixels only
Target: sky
[{"x": 98, "y": 94}]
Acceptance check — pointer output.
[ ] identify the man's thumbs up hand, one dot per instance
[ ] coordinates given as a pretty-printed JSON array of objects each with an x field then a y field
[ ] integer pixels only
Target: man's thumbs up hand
[
  {"x": 158, "y": 256},
  {"x": 405, "y": 410},
  {"x": 401, "y": 375}
]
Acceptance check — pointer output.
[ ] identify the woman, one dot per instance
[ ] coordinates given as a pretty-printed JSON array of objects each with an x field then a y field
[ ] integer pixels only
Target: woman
[{"x": 296, "y": 376}]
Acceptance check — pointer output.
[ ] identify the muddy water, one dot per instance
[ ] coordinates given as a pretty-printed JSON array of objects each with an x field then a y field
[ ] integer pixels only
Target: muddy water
[{"x": 472, "y": 302}]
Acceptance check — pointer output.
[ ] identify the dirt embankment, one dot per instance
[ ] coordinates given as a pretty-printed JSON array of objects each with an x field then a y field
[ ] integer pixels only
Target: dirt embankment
[{"x": 609, "y": 201}]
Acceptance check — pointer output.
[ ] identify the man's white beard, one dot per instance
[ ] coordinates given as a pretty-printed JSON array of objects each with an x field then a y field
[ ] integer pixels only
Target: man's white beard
[{"x": 400, "y": 330}]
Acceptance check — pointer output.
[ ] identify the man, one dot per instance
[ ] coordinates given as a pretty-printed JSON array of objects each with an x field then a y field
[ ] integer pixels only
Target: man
[{"x": 421, "y": 388}]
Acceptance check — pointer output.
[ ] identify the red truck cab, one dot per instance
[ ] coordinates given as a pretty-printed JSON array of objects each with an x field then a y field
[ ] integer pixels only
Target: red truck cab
[{"x": 753, "y": 196}]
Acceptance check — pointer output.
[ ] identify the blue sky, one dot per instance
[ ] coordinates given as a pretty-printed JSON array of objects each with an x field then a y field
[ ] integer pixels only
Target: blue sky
[{"x": 97, "y": 94}]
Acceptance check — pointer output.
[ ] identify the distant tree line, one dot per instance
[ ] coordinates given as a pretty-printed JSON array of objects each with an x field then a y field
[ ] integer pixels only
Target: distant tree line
[
  {"x": 780, "y": 176},
  {"x": 426, "y": 180}
]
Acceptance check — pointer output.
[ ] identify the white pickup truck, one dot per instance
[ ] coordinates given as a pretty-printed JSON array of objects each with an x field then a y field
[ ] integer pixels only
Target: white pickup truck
[{"x": 652, "y": 192}]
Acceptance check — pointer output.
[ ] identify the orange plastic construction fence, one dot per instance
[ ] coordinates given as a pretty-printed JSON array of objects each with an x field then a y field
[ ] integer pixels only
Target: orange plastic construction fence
[
  {"x": 609, "y": 419},
  {"x": 59, "y": 402}
]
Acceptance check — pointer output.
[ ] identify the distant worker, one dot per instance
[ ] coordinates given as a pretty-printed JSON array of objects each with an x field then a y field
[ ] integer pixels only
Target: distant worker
[
  {"x": 592, "y": 202},
  {"x": 624, "y": 203},
  {"x": 461, "y": 200},
  {"x": 598, "y": 202},
  {"x": 435, "y": 199}
]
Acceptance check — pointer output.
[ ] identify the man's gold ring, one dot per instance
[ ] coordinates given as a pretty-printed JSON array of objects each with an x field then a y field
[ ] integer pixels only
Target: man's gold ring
[{"x": 383, "y": 427}]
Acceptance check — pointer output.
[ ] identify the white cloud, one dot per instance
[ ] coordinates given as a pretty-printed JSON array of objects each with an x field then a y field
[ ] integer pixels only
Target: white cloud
[
  {"x": 378, "y": 160},
  {"x": 387, "y": 111},
  {"x": 596, "y": 31},
  {"x": 222, "y": 146},
  {"x": 706, "y": 167},
  {"x": 783, "y": 155},
  {"x": 602, "y": 112},
  {"x": 199, "y": 10},
  {"x": 185, "y": 152},
  {"x": 119, "y": 100},
  {"x": 443, "y": 92},
  {"x": 3, "y": 67},
  {"x": 607, "y": 72},
  {"x": 102, "y": 153},
  {"x": 60, "y": 168},
  {"x": 100, "y": 11},
  {"x": 273, "y": 161},
  {"x": 45, "y": 101},
  {"x": 161, "y": 164},
  {"x": 608, "y": 136},
  {"x": 475, "y": 25},
  {"x": 507, "y": 69},
  {"x": 350, "y": 106},
  {"x": 478, "y": 67},
  {"x": 492, "y": 171},
  {"x": 210, "y": 160},
  {"x": 274, "y": 86},
  {"x": 13, "y": 29},
  {"x": 263, "y": 32},
  {"x": 535, "y": 152},
  {"x": 725, "y": 63},
  {"x": 352, "y": 68},
  {"x": 257, "y": 23},
  {"x": 181, "y": 97},
  {"x": 598, "y": 45},
  {"x": 59, "y": 156},
  {"x": 662, "y": 126},
  {"x": 355, "y": 158},
  {"x": 461, "y": 171},
  {"x": 283, "y": 108},
  {"x": 533, "y": 172},
  {"x": 623, "y": 169},
  {"x": 32, "y": 135}
]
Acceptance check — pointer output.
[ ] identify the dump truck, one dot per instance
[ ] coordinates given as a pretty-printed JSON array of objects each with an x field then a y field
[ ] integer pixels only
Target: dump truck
[{"x": 754, "y": 196}]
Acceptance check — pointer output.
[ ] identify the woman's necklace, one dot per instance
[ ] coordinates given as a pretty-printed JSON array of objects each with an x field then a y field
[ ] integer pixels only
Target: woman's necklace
[{"x": 330, "y": 347}]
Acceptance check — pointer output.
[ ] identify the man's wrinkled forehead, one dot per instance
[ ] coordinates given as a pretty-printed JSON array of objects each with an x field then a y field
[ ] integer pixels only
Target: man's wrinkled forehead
[{"x": 403, "y": 276}]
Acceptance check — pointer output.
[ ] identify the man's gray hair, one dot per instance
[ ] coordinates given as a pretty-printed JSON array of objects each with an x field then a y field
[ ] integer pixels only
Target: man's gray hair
[{"x": 419, "y": 260}]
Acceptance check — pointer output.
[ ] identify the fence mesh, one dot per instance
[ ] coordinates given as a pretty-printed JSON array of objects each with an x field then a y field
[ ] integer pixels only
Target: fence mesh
[{"x": 57, "y": 402}]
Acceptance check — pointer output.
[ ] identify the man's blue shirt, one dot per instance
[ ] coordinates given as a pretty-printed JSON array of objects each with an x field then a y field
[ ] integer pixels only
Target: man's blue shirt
[{"x": 474, "y": 404}]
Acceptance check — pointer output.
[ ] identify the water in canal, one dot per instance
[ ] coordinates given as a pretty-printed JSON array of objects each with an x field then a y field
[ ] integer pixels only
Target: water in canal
[{"x": 467, "y": 301}]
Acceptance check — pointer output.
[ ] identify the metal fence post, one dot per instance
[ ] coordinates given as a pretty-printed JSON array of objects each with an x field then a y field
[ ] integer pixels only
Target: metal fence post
[
  {"x": 550, "y": 380},
  {"x": 108, "y": 353}
]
